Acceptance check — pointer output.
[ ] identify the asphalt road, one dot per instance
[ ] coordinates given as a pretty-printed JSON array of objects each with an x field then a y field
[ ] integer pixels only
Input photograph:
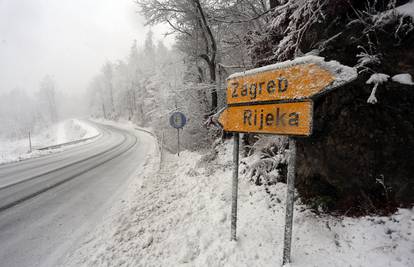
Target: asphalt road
[{"x": 49, "y": 203}]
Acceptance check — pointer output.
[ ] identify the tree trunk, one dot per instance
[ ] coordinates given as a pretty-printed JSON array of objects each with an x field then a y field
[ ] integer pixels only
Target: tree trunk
[
  {"x": 134, "y": 99},
  {"x": 211, "y": 52},
  {"x": 111, "y": 95},
  {"x": 214, "y": 97},
  {"x": 103, "y": 111}
]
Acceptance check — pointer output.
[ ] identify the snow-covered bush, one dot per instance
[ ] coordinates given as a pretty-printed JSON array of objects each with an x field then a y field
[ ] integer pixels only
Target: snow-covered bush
[{"x": 267, "y": 163}]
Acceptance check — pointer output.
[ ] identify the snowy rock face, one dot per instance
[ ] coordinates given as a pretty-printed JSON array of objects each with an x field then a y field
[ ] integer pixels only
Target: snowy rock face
[{"x": 356, "y": 144}]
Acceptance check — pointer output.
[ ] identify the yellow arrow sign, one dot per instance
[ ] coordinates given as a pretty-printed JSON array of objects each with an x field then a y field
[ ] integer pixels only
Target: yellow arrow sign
[
  {"x": 283, "y": 118},
  {"x": 298, "y": 79}
]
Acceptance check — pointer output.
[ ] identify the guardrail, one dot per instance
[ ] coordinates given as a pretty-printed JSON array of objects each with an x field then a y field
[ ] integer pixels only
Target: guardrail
[{"x": 68, "y": 143}]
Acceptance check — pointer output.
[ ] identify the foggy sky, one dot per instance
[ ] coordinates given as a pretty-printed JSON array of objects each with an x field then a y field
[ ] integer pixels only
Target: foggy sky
[{"x": 69, "y": 40}]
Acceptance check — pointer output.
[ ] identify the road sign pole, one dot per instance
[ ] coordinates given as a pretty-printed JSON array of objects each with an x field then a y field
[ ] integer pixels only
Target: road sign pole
[
  {"x": 30, "y": 143},
  {"x": 289, "y": 201},
  {"x": 178, "y": 141},
  {"x": 235, "y": 185},
  {"x": 161, "y": 150}
]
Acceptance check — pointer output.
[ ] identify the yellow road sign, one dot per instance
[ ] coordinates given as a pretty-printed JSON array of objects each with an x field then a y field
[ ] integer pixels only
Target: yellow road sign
[
  {"x": 293, "y": 118},
  {"x": 298, "y": 79}
]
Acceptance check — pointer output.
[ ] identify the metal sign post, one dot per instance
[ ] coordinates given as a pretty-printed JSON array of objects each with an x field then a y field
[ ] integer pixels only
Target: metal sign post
[
  {"x": 30, "y": 143},
  {"x": 177, "y": 121},
  {"x": 235, "y": 185},
  {"x": 178, "y": 141},
  {"x": 290, "y": 194},
  {"x": 161, "y": 151}
]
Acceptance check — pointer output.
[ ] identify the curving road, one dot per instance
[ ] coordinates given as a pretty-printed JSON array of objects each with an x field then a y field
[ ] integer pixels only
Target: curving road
[{"x": 47, "y": 204}]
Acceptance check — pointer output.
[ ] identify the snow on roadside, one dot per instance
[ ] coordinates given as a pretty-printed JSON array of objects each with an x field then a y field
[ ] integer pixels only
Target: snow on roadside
[
  {"x": 125, "y": 124},
  {"x": 59, "y": 133},
  {"x": 89, "y": 130},
  {"x": 181, "y": 217}
]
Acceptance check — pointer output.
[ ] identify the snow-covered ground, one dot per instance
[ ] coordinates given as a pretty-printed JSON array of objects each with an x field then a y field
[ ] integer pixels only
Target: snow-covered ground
[
  {"x": 180, "y": 216},
  {"x": 60, "y": 133}
]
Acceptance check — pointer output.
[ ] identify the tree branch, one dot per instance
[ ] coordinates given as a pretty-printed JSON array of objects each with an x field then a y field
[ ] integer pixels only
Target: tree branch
[
  {"x": 178, "y": 29},
  {"x": 233, "y": 66},
  {"x": 253, "y": 18}
]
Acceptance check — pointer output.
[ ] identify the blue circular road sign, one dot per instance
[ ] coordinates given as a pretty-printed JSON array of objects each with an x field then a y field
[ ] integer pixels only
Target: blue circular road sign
[{"x": 178, "y": 120}]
